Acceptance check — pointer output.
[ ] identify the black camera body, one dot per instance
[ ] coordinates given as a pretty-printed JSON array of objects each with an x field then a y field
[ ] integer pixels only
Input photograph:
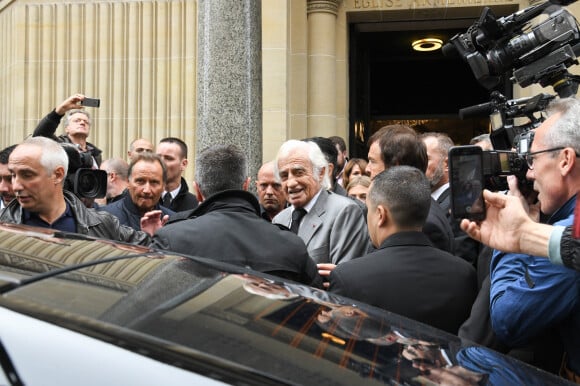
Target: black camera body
[
  {"x": 81, "y": 178},
  {"x": 499, "y": 164},
  {"x": 509, "y": 46},
  {"x": 497, "y": 48}
]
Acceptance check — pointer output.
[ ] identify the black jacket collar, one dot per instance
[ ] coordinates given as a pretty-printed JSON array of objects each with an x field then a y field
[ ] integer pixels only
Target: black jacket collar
[
  {"x": 225, "y": 199},
  {"x": 406, "y": 238}
]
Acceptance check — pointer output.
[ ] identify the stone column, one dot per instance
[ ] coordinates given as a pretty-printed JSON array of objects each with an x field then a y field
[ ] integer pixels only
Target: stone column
[
  {"x": 322, "y": 67},
  {"x": 229, "y": 77}
]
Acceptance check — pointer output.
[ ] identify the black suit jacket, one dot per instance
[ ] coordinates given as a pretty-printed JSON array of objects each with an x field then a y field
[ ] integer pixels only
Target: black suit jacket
[
  {"x": 184, "y": 199},
  {"x": 464, "y": 246},
  {"x": 438, "y": 229},
  {"x": 410, "y": 277},
  {"x": 444, "y": 201}
]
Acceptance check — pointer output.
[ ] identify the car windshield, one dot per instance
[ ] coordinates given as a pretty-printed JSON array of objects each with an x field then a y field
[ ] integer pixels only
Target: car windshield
[{"x": 178, "y": 308}]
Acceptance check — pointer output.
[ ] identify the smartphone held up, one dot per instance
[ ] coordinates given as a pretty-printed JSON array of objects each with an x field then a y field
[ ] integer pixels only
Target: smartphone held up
[
  {"x": 467, "y": 182},
  {"x": 91, "y": 102}
]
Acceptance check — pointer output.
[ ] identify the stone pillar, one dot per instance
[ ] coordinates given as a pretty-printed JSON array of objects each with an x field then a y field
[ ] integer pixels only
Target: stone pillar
[
  {"x": 229, "y": 77},
  {"x": 322, "y": 67}
]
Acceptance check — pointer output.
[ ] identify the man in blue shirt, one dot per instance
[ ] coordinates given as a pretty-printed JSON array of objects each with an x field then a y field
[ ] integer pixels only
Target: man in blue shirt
[{"x": 529, "y": 295}]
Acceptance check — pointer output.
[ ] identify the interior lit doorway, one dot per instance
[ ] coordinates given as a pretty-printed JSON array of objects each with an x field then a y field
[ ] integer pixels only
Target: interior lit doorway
[{"x": 389, "y": 82}]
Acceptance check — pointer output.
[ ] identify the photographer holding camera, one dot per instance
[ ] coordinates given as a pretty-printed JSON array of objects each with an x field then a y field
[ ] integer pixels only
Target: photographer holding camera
[
  {"x": 77, "y": 126},
  {"x": 531, "y": 298},
  {"x": 39, "y": 167}
]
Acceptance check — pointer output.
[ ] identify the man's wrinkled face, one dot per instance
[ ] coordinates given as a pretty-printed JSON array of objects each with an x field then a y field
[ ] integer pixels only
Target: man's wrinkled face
[
  {"x": 6, "y": 191},
  {"x": 436, "y": 168},
  {"x": 546, "y": 174},
  {"x": 78, "y": 123},
  {"x": 376, "y": 164},
  {"x": 298, "y": 179},
  {"x": 34, "y": 188},
  {"x": 270, "y": 192},
  {"x": 170, "y": 153},
  {"x": 146, "y": 185}
]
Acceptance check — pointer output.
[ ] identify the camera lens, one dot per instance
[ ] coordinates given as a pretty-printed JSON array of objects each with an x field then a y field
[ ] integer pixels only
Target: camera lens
[{"x": 90, "y": 183}]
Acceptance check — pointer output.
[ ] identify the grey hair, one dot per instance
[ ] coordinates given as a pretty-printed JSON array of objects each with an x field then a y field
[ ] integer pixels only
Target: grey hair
[
  {"x": 219, "y": 168},
  {"x": 53, "y": 154},
  {"x": 444, "y": 142},
  {"x": 405, "y": 191},
  {"x": 480, "y": 138},
  {"x": 117, "y": 165},
  {"x": 565, "y": 131},
  {"x": 315, "y": 155},
  {"x": 74, "y": 111}
]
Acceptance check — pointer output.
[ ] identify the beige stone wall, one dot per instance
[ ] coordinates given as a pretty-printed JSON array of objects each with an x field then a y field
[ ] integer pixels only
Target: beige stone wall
[
  {"x": 283, "y": 48},
  {"x": 137, "y": 56}
]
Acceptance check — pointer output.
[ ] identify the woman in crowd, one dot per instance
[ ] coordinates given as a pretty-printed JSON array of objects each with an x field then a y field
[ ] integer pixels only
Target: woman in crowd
[
  {"x": 354, "y": 167},
  {"x": 358, "y": 187}
]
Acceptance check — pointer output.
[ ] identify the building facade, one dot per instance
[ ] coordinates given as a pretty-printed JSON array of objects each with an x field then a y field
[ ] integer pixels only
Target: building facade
[{"x": 140, "y": 59}]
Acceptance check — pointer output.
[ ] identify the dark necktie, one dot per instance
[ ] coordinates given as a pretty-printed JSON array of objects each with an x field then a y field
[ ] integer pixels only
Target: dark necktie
[
  {"x": 167, "y": 200},
  {"x": 296, "y": 219}
]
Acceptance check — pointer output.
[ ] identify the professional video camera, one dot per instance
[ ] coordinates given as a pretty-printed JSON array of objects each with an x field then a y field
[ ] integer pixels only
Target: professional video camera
[
  {"x": 506, "y": 136},
  {"x": 81, "y": 179},
  {"x": 509, "y": 46}
]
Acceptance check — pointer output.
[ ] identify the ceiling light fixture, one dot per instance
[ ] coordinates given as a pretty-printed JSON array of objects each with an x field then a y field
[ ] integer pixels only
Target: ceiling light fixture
[{"x": 427, "y": 44}]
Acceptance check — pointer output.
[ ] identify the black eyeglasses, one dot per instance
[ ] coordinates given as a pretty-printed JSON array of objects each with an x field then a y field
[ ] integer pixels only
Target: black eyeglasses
[{"x": 531, "y": 156}]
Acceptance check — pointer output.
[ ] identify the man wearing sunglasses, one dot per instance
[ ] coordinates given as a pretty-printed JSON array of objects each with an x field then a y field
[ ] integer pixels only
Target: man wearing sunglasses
[{"x": 532, "y": 300}]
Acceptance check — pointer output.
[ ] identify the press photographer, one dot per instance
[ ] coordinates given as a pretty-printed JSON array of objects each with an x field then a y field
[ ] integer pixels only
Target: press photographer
[
  {"x": 533, "y": 304},
  {"x": 77, "y": 125},
  {"x": 38, "y": 168}
]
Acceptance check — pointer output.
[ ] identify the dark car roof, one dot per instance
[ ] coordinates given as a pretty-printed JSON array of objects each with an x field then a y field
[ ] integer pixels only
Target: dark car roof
[{"x": 226, "y": 322}]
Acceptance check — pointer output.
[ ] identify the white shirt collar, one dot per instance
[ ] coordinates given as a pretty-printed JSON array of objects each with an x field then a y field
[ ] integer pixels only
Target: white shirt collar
[
  {"x": 439, "y": 190},
  {"x": 308, "y": 207},
  {"x": 173, "y": 192}
]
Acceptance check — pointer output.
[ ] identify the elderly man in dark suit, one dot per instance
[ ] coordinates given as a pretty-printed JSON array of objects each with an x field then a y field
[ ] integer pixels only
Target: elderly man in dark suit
[
  {"x": 400, "y": 145},
  {"x": 406, "y": 274},
  {"x": 332, "y": 226}
]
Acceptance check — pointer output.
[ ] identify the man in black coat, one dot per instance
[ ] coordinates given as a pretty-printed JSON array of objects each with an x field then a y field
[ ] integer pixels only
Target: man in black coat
[
  {"x": 406, "y": 274},
  {"x": 227, "y": 225},
  {"x": 176, "y": 196},
  {"x": 400, "y": 145}
]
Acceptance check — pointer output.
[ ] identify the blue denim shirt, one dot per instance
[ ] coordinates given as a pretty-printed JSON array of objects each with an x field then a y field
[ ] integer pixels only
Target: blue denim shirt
[{"x": 530, "y": 294}]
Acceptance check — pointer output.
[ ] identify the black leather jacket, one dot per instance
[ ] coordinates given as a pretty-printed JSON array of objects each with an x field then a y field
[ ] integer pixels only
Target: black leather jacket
[
  {"x": 570, "y": 250},
  {"x": 88, "y": 221}
]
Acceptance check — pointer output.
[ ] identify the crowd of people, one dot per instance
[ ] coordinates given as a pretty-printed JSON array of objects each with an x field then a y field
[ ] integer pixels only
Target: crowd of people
[{"x": 377, "y": 230}]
